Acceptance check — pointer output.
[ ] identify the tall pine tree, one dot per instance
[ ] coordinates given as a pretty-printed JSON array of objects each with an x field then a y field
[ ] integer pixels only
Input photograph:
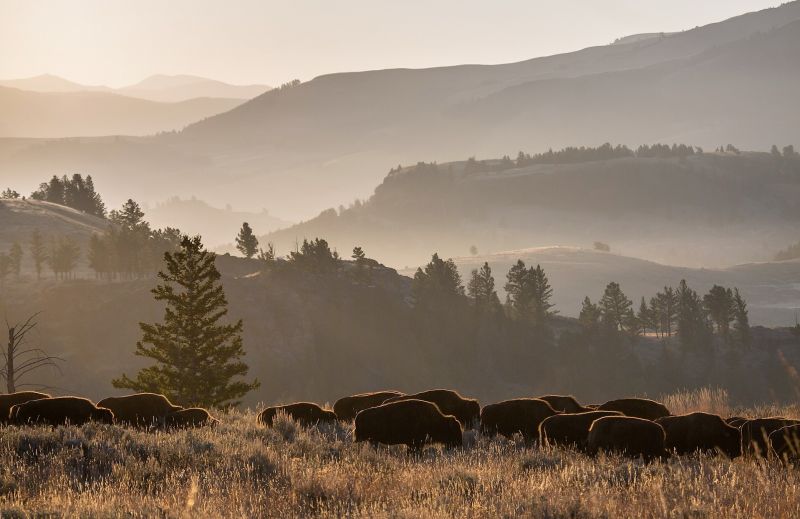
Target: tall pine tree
[
  {"x": 246, "y": 241},
  {"x": 197, "y": 357},
  {"x": 481, "y": 290}
]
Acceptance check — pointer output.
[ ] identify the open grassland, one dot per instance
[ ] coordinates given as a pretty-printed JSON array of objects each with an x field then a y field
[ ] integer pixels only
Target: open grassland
[{"x": 240, "y": 469}]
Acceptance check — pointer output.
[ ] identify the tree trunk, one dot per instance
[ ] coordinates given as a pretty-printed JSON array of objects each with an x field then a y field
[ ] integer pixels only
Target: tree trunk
[{"x": 11, "y": 386}]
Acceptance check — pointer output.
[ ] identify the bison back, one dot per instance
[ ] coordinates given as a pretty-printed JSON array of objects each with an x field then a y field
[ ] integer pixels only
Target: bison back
[
  {"x": 466, "y": 410},
  {"x": 637, "y": 408},
  {"x": 346, "y": 408},
  {"x": 570, "y": 429},
  {"x": 700, "y": 432},
  {"x": 407, "y": 422},
  {"x": 7, "y": 401},
  {"x": 631, "y": 436},
  {"x": 520, "y": 415}
]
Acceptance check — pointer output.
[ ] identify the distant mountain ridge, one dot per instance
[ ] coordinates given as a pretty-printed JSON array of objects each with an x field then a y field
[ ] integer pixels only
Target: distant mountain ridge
[
  {"x": 158, "y": 87},
  {"x": 329, "y": 140},
  {"x": 172, "y": 89},
  {"x": 85, "y": 114}
]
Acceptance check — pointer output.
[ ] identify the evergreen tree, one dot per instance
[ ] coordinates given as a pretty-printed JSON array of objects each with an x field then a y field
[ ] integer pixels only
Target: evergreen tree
[
  {"x": 590, "y": 315},
  {"x": 720, "y": 306},
  {"x": 75, "y": 192},
  {"x": 691, "y": 319},
  {"x": 9, "y": 194},
  {"x": 529, "y": 294},
  {"x": 481, "y": 290},
  {"x": 197, "y": 357},
  {"x": 38, "y": 252},
  {"x": 246, "y": 241},
  {"x": 15, "y": 257},
  {"x": 437, "y": 285},
  {"x": 314, "y": 256},
  {"x": 517, "y": 290},
  {"x": 615, "y": 307},
  {"x": 130, "y": 216},
  {"x": 665, "y": 305},
  {"x": 741, "y": 324},
  {"x": 541, "y": 296},
  {"x": 646, "y": 317}
]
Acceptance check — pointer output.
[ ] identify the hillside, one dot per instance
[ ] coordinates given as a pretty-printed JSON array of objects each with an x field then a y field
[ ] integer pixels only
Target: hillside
[
  {"x": 328, "y": 140},
  {"x": 302, "y": 330},
  {"x": 73, "y": 114},
  {"x": 19, "y": 218},
  {"x": 705, "y": 209}
]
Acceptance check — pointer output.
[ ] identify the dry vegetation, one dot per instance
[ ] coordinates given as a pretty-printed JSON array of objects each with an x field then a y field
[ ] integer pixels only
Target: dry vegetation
[{"x": 242, "y": 470}]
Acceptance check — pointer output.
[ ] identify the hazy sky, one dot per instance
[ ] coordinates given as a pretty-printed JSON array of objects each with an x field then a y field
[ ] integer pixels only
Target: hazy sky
[{"x": 264, "y": 41}]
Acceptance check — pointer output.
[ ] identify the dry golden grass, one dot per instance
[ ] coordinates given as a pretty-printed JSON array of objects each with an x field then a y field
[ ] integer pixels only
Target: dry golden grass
[{"x": 242, "y": 470}]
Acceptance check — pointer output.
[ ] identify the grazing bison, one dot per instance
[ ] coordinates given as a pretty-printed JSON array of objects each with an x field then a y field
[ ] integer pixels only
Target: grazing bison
[
  {"x": 348, "y": 407},
  {"x": 570, "y": 428},
  {"x": 785, "y": 443},
  {"x": 627, "y": 435},
  {"x": 637, "y": 408},
  {"x": 9, "y": 400},
  {"x": 62, "y": 410},
  {"x": 139, "y": 409},
  {"x": 736, "y": 421},
  {"x": 701, "y": 432},
  {"x": 466, "y": 410},
  {"x": 755, "y": 433},
  {"x": 520, "y": 415},
  {"x": 304, "y": 413},
  {"x": 407, "y": 422},
  {"x": 188, "y": 418},
  {"x": 564, "y": 403}
]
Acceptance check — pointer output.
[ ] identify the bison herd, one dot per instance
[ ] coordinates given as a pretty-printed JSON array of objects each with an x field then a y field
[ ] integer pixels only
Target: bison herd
[
  {"x": 635, "y": 427},
  {"x": 140, "y": 410}
]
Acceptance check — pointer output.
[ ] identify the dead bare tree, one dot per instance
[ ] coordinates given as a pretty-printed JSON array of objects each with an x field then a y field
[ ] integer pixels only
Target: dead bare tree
[{"x": 21, "y": 359}]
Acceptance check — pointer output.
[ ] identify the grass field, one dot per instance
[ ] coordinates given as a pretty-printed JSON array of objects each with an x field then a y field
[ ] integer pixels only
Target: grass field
[{"x": 242, "y": 470}]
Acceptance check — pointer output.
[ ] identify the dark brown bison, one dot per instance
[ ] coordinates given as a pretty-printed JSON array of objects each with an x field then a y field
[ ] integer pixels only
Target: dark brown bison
[
  {"x": 637, "y": 408},
  {"x": 736, "y": 421},
  {"x": 785, "y": 443},
  {"x": 9, "y": 400},
  {"x": 407, "y": 422},
  {"x": 627, "y": 435},
  {"x": 348, "y": 407},
  {"x": 570, "y": 429},
  {"x": 466, "y": 410},
  {"x": 188, "y": 418},
  {"x": 520, "y": 415},
  {"x": 62, "y": 410},
  {"x": 139, "y": 409},
  {"x": 304, "y": 413},
  {"x": 564, "y": 403},
  {"x": 701, "y": 432},
  {"x": 755, "y": 433}
]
